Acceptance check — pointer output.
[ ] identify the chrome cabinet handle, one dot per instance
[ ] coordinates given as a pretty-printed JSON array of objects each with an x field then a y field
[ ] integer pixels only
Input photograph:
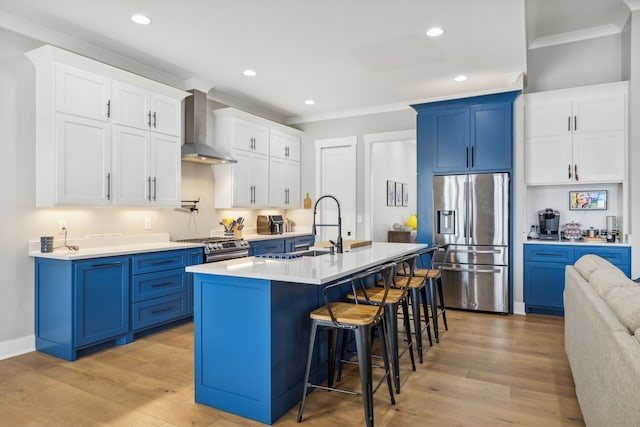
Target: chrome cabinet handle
[
  {"x": 162, "y": 310},
  {"x": 109, "y": 186},
  {"x": 108, "y": 108},
  {"x": 106, "y": 264},
  {"x": 154, "y": 119},
  {"x": 155, "y": 188},
  {"x": 575, "y": 172},
  {"x": 149, "y": 119},
  {"x": 569, "y": 170},
  {"x": 569, "y": 123},
  {"x": 575, "y": 122},
  {"x": 149, "y": 188}
]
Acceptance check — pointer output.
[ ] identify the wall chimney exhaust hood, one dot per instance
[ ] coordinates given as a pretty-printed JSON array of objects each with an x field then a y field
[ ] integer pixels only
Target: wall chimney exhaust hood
[{"x": 195, "y": 148}]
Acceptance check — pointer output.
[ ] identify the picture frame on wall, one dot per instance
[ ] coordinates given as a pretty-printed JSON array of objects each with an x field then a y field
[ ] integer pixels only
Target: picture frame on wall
[
  {"x": 588, "y": 200},
  {"x": 405, "y": 194},
  {"x": 398, "y": 194},
  {"x": 391, "y": 193}
]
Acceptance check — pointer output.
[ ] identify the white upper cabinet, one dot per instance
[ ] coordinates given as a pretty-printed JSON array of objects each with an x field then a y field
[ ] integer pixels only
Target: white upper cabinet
[
  {"x": 104, "y": 136},
  {"x": 82, "y": 93},
  {"x": 258, "y": 180},
  {"x": 142, "y": 109},
  {"x": 284, "y": 173},
  {"x": 576, "y": 135}
]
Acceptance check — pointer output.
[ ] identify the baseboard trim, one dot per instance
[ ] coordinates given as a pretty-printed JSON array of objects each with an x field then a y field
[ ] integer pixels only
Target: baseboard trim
[
  {"x": 518, "y": 308},
  {"x": 17, "y": 347}
]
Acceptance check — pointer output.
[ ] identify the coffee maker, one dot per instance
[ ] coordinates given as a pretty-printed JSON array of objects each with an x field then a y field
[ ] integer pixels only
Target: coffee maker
[{"x": 549, "y": 220}]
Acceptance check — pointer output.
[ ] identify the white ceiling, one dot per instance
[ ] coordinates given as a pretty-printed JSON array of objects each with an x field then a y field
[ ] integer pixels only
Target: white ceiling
[{"x": 348, "y": 55}]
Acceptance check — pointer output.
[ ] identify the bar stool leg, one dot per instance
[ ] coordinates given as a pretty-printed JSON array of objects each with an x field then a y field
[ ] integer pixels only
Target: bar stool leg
[
  {"x": 307, "y": 371},
  {"x": 391, "y": 321},
  {"x": 385, "y": 358},
  {"x": 363, "y": 345},
  {"x": 442, "y": 308},
  {"x": 415, "y": 307},
  {"x": 407, "y": 330},
  {"x": 331, "y": 364},
  {"x": 434, "y": 309}
]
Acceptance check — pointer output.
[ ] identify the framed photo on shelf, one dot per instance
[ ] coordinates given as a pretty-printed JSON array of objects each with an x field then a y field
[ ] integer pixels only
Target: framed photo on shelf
[
  {"x": 391, "y": 193},
  {"x": 405, "y": 194},
  {"x": 588, "y": 200},
  {"x": 398, "y": 194}
]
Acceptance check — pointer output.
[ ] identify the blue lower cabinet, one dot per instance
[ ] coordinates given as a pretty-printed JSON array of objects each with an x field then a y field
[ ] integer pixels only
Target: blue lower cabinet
[
  {"x": 86, "y": 305},
  {"x": 544, "y": 270},
  {"x": 268, "y": 246},
  {"x": 81, "y": 304}
]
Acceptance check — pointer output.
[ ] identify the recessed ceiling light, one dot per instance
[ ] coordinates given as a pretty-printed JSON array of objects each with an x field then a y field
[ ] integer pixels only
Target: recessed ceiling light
[
  {"x": 435, "y": 32},
  {"x": 249, "y": 73},
  {"x": 141, "y": 19},
  {"x": 309, "y": 102},
  {"x": 460, "y": 78}
]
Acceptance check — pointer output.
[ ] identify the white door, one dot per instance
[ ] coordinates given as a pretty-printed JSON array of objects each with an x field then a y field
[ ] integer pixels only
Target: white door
[
  {"x": 336, "y": 175},
  {"x": 277, "y": 183},
  {"x": 83, "y": 161},
  {"x": 82, "y": 93},
  {"x": 166, "y": 115},
  {"x": 130, "y": 106},
  {"x": 131, "y": 166},
  {"x": 165, "y": 170},
  {"x": 292, "y": 172}
]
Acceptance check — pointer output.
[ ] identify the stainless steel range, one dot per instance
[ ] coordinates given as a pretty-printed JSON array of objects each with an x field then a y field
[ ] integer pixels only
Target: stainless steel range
[{"x": 221, "y": 248}]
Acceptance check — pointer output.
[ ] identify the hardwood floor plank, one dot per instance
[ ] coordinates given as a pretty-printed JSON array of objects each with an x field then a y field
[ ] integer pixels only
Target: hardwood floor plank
[{"x": 487, "y": 370}]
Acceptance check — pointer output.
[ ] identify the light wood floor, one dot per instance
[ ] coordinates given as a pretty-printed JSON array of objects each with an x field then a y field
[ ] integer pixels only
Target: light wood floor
[{"x": 488, "y": 370}]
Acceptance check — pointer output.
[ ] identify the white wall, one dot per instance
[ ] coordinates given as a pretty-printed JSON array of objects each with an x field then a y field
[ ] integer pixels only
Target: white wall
[
  {"x": 575, "y": 64},
  {"x": 393, "y": 161}
]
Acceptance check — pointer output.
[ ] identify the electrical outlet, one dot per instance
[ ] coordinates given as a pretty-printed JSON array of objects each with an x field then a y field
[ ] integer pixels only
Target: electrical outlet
[
  {"x": 147, "y": 223},
  {"x": 62, "y": 225}
]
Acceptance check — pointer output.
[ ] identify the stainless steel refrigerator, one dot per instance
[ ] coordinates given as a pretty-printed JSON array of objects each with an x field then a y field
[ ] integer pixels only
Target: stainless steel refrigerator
[{"x": 471, "y": 224}]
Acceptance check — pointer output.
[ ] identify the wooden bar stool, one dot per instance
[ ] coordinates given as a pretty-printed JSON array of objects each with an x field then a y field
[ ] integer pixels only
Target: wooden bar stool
[
  {"x": 433, "y": 277},
  {"x": 395, "y": 298},
  {"x": 361, "y": 319}
]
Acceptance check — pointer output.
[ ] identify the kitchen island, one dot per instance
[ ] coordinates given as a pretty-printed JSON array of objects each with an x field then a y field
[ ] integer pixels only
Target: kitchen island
[{"x": 251, "y": 325}]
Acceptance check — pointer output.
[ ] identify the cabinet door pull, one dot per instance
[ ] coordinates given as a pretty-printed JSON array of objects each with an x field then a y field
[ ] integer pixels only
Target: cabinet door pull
[
  {"x": 149, "y": 188},
  {"x": 575, "y": 172},
  {"x": 575, "y": 122},
  {"x": 473, "y": 156},
  {"x": 569, "y": 123},
  {"x": 109, "y": 186},
  {"x": 154, "y": 119},
  {"x": 106, "y": 264},
  {"x": 155, "y": 188},
  {"x": 546, "y": 254},
  {"x": 569, "y": 170},
  {"x": 160, "y": 285},
  {"x": 108, "y": 108},
  {"x": 168, "y": 261},
  {"x": 162, "y": 310},
  {"x": 466, "y": 154},
  {"x": 149, "y": 119}
]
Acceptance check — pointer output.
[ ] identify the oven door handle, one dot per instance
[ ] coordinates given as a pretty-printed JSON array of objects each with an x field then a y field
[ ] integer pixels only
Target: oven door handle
[{"x": 227, "y": 255}]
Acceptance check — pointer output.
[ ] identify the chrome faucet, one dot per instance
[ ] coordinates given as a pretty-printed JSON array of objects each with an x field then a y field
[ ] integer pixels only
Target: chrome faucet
[{"x": 337, "y": 244}]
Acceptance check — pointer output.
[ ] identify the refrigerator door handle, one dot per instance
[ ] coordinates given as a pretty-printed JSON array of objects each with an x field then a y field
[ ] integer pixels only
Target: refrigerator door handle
[
  {"x": 470, "y": 197},
  {"x": 471, "y": 270},
  {"x": 474, "y": 251},
  {"x": 466, "y": 209}
]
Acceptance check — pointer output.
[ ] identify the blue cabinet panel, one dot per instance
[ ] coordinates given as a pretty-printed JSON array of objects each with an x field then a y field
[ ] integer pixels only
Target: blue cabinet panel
[
  {"x": 491, "y": 135},
  {"x": 158, "y": 310},
  {"x": 101, "y": 299},
  {"x": 157, "y": 261},
  {"x": 160, "y": 283},
  {"x": 266, "y": 246},
  {"x": 451, "y": 139},
  {"x": 544, "y": 270},
  {"x": 195, "y": 258}
]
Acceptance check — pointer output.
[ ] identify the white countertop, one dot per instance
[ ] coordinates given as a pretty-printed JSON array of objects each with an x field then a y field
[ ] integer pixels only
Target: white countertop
[
  {"x": 109, "y": 246},
  {"x": 312, "y": 270},
  {"x": 574, "y": 242}
]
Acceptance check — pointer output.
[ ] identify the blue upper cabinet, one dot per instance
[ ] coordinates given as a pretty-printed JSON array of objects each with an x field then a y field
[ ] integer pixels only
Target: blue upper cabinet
[{"x": 467, "y": 135}]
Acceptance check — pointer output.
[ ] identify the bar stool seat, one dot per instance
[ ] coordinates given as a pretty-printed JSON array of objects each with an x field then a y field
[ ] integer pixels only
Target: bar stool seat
[{"x": 336, "y": 316}]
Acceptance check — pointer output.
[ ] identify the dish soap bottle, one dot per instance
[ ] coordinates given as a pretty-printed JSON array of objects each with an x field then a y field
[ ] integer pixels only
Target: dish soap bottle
[{"x": 307, "y": 202}]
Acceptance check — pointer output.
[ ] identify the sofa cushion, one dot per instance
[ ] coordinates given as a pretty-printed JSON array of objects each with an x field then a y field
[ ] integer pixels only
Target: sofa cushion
[
  {"x": 604, "y": 279},
  {"x": 625, "y": 303},
  {"x": 587, "y": 264},
  {"x": 636, "y": 335}
]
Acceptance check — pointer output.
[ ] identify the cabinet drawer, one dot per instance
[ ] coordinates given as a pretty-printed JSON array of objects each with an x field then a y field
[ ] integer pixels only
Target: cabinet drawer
[
  {"x": 620, "y": 257},
  {"x": 158, "y": 261},
  {"x": 549, "y": 253},
  {"x": 160, "y": 283},
  {"x": 267, "y": 246},
  {"x": 158, "y": 310}
]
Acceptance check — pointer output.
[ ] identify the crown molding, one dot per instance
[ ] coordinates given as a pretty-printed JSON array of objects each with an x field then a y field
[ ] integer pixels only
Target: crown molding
[
  {"x": 633, "y": 5},
  {"x": 575, "y": 36}
]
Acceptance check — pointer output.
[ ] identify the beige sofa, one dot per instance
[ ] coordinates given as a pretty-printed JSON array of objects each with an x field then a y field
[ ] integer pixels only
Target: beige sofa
[{"x": 602, "y": 341}]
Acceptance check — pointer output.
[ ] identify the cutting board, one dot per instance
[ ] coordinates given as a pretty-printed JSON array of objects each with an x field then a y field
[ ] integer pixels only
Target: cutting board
[{"x": 346, "y": 244}]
